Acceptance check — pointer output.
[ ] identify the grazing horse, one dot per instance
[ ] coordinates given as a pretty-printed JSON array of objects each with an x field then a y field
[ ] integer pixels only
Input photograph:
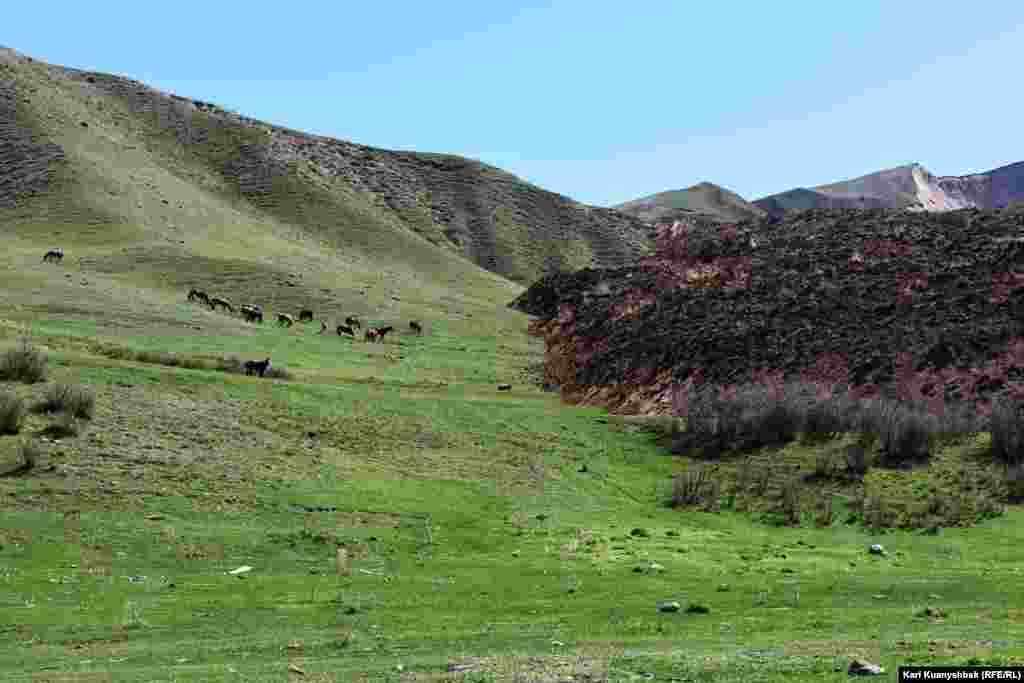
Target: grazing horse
[
  {"x": 256, "y": 366},
  {"x": 196, "y": 295},
  {"x": 54, "y": 255},
  {"x": 323, "y": 327},
  {"x": 353, "y": 321},
  {"x": 345, "y": 329},
  {"x": 220, "y": 301},
  {"x": 252, "y": 314},
  {"x": 382, "y": 331},
  {"x": 371, "y": 335},
  {"x": 305, "y": 316},
  {"x": 416, "y": 327},
  {"x": 285, "y": 320}
]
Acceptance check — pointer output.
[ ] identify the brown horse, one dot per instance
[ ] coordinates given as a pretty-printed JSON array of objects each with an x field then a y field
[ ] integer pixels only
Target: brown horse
[
  {"x": 216, "y": 301},
  {"x": 371, "y": 335},
  {"x": 256, "y": 366},
  {"x": 382, "y": 331}
]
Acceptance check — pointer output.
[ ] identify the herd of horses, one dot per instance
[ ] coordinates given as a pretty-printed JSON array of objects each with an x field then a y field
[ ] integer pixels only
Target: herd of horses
[{"x": 254, "y": 314}]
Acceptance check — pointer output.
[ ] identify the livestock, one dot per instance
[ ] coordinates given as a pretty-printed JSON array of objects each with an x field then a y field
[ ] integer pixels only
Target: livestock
[
  {"x": 252, "y": 314},
  {"x": 371, "y": 335},
  {"x": 382, "y": 331},
  {"x": 305, "y": 316},
  {"x": 54, "y": 255},
  {"x": 256, "y": 366},
  {"x": 353, "y": 321},
  {"x": 416, "y": 327},
  {"x": 196, "y": 295},
  {"x": 285, "y": 319},
  {"x": 323, "y": 327},
  {"x": 216, "y": 301},
  {"x": 345, "y": 329}
]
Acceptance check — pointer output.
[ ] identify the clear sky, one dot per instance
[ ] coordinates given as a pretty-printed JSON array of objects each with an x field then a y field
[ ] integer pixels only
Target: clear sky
[{"x": 600, "y": 101}]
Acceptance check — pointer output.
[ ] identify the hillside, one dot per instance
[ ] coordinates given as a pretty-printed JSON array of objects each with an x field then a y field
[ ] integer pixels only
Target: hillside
[
  {"x": 822, "y": 284},
  {"x": 166, "y": 175},
  {"x": 704, "y": 198},
  {"x": 906, "y": 187}
]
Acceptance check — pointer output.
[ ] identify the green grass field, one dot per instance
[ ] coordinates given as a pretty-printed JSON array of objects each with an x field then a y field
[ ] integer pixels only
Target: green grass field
[{"x": 457, "y": 533}]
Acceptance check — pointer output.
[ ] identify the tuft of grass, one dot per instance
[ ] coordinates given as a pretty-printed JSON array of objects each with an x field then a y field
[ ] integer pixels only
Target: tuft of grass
[
  {"x": 23, "y": 363},
  {"x": 12, "y": 411},
  {"x": 78, "y": 400}
]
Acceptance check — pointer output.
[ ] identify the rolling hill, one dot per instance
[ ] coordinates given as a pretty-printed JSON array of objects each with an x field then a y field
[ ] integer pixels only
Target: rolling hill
[
  {"x": 706, "y": 199},
  {"x": 163, "y": 192}
]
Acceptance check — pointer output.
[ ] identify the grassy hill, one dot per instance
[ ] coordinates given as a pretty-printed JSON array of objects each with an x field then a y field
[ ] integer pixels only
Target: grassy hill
[
  {"x": 403, "y": 519},
  {"x": 704, "y": 198}
]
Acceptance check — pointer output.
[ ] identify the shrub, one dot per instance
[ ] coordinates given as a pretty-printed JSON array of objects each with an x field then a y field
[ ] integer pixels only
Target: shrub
[
  {"x": 857, "y": 460},
  {"x": 12, "y": 411},
  {"x": 1014, "y": 482},
  {"x": 693, "y": 487},
  {"x": 23, "y": 364},
  {"x": 79, "y": 401},
  {"x": 1007, "y": 431},
  {"x": 904, "y": 434},
  {"x": 749, "y": 418}
]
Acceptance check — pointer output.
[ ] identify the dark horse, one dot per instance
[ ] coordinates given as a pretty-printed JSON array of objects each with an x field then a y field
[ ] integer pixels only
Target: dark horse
[
  {"x": 305, "y": 316},
  {"x": 252, "y": 315},
  {"x": 345, "y": 329},
  {"x": 196, "y": 295},
  {"x": 53, "y": 255},
  {"x": 353, "y": 322},
  {"x": 416, "y": 327},
  {"x": 382, "y": 331},
  {"x": 256, "y": 366}
]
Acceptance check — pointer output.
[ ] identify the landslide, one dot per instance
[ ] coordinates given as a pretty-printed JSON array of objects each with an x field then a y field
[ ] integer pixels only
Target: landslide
[{"x": 863, "y": 285}]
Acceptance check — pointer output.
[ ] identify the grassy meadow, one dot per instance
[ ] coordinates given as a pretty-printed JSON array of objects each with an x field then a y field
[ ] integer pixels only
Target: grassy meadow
[{"x": 402, "y": 518}]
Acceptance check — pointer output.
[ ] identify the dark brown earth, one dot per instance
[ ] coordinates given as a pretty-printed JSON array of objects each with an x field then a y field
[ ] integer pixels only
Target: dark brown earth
[{"x": 824, "y": 289}]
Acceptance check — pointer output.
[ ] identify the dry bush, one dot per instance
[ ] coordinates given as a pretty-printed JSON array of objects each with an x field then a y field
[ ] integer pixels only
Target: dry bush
[
  {"x": 694, "y": 487},
  {"x": 904, "y": 433},
  {"x": 1007, "y": 431},
  {"x": 23, "y": 364},
  {"x": 12, "y": 411},
  {"x": 78, "y": 400},
  {"x": 1014, "y": 483}
]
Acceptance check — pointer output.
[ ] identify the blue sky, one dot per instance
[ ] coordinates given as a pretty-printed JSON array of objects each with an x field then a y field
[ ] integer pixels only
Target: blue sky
[{"x": 600, "y": 101}]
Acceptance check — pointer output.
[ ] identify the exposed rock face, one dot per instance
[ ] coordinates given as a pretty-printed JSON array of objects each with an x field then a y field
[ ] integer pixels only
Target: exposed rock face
[
  {"x": 910, "y": 187},
  {"x": 827, "y": 294},
  {"x": 26, "y": 163}
]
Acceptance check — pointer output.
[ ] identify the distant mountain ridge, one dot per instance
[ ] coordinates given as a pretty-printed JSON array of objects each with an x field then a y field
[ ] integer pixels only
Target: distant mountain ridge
[
  {"x": 706, "y": 199},
  {"x": 910, "y": 187}
]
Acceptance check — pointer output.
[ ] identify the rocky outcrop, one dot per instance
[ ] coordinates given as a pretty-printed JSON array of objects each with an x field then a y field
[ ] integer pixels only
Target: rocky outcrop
[{"x": 825, "y": 294}]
